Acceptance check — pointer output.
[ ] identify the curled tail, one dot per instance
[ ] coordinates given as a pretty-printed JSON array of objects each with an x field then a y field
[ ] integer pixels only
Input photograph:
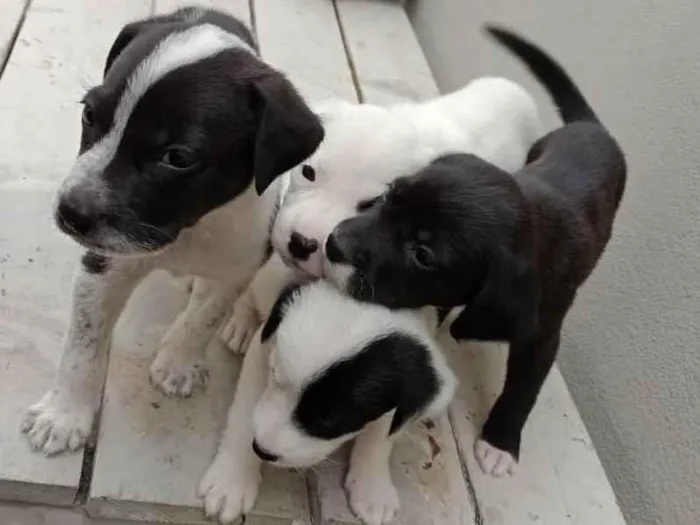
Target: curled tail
[{"x": 569, "y": 100}]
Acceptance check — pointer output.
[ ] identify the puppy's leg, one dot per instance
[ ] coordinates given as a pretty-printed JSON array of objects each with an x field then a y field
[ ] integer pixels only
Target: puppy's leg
[
  {"x": 229, "y": 487},
  {"x": 256, "y": 302},
  {"x": 63, "y": 417},
  {"x": 529, "y": 363},
  {"x": 373, "y": 497},
  {"x": 179, "y": 367}
]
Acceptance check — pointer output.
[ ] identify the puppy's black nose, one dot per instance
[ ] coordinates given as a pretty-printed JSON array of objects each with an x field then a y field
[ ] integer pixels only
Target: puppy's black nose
[
  {"x": 333, "y": 251},
  {"x": 263, "y": 454},
  {"x": 73, "y": 218},
  {"x": 301, "y": 247}
]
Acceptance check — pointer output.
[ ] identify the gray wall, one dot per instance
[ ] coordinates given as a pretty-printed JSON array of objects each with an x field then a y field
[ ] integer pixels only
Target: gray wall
[{"x": 631, "y": 350}]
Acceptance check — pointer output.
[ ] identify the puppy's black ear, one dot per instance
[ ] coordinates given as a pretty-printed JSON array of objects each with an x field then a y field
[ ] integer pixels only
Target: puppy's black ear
[
  {"x": 133, "y": 29},
  {"x": 285, "y": 298},
  {"x": 509, "y": 297},
  {"x": 125, "y": 36},
  {"x": 288, "y": 131},
  {"x": 417, "y": 379}
]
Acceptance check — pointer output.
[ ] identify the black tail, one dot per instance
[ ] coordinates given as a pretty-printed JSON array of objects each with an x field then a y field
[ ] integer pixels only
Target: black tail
[{"x": 567, "y": 97}]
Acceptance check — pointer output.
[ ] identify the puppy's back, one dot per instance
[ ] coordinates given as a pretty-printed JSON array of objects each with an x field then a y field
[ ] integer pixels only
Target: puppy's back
[{"x": 496, "y": 119}]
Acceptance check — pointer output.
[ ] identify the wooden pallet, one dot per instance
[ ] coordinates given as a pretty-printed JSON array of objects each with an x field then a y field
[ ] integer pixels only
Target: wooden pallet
[{"x": 150, "y": 450}]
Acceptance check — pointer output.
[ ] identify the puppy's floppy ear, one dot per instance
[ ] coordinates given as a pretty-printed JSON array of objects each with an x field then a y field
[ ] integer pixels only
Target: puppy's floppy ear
[
  {"x": 285, "y": 298},
  {"x": 124, "y": 38},
  {"x": 288, "y": 131},
  {"x": 510, "y": 293},
  {"x": 133, "y": 29}
]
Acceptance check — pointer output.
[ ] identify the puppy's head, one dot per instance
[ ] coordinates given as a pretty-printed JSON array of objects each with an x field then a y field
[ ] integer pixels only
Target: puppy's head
[
  {"x": 457, "y": 232},
  {"x": 337, "y": 365},
  {"x": 186, "y": 118},
  {"x": 364, "y": 148}
]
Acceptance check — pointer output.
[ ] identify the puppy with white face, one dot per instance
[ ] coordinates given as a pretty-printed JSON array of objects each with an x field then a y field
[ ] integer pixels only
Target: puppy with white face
[
  {"x": 366, "y": 147},
  {"x": 306, "y": 391},
  {"x": 179, "y": 144}
]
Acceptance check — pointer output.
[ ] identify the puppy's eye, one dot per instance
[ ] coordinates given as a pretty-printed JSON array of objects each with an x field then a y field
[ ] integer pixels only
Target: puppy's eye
[
  {"x": 179, "y": 158},
  {"x": 423, "y": 257},
  {"x": 308, "y": 173},
  {"x": 88, "y": 116}
]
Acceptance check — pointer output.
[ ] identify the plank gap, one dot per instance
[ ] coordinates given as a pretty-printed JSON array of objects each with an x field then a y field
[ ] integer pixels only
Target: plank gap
[
  {"x": 471, "y": 491},
  {"x": 348, "y": 54},
  {"x": 7, "y": 52}
]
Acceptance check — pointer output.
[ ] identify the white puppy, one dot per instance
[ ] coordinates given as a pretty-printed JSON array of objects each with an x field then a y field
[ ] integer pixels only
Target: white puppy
[
  {"x": 304, "y": 391},
  {"x": 365, "y": 148}
]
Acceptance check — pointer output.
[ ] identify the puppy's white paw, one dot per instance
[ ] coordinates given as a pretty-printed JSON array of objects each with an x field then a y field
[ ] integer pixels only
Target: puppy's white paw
[
  {"x": 176, "y": 373},
  {"x": 58, "y": 422},
  {"x": 494, "y": 461},
  {"x": 237, "y": 332},
  {"x": 373, "y": 497},
  {"x": 229, "y": 487}
]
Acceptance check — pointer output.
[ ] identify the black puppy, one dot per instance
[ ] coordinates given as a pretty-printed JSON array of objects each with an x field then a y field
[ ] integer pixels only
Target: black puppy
[{"x": 513, "y": 248}]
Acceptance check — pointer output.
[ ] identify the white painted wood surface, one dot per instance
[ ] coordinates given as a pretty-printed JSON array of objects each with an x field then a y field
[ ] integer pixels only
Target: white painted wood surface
[
  {"x": 385, "y": 51},
  {"x": 238, "y": 8},
  {"x": 10, "y": 12},
  {"x": 58, "y": 54},
  {"x": 559, "y": 480},
  {"x": 151, "y": 449},
  {"x": 302, "y": 39},
  {"x": 426, "y": 471}
]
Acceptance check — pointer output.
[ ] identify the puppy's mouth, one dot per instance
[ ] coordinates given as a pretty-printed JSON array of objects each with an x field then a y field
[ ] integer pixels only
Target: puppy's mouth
[{"x": 110, "y": 242}]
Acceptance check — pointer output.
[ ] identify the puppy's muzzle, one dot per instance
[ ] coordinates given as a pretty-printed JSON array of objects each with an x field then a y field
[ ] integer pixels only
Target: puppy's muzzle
[{"x": 301, "y": 247}]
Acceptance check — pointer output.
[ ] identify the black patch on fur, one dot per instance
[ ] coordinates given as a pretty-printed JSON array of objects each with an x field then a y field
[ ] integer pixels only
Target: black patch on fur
[
  {"x": 95, "y": 263},
  {"x": 285, "y": 298},
  {"x": 392, "y": 372}
]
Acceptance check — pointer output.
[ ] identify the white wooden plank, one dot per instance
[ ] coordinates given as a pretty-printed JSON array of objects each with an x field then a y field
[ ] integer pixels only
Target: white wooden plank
[
  {"x": 10, "y": 12},
  {"x": 238, "y": 8},
  {"x": 302, "y": 39},
  {"x": 426, "y": 471},
  {"x": 559, "y": 480},
  {"x": 59, "y": 52},
  {"x": 152, "y": 450},
  {"x": 385, "y": 51},
  {"x": 171, "y": 441}
]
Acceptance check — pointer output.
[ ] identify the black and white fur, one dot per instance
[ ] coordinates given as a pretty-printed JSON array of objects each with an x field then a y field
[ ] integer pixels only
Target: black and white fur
[
  {"x": 366, "y": 147},
  {"x": 187, "y": 130},
  {"x": 322, "y": 370},
  {"x": 513, "y": 247}
]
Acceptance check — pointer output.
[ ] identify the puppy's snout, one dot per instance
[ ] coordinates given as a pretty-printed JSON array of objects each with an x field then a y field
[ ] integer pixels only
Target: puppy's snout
[
  {"x": 73, "y": 215},
  {"x": 334, "y": 253},
  {"x": 263, "y": 454},
  {"x": 301, "y": 247}
]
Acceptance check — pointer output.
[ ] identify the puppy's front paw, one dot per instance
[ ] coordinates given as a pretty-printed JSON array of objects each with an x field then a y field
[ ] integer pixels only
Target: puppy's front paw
[
  {"x": 237, "y": 332},
  {"x": 176, "y": 373},
  {"x": 58, "y": 422},
  {"x": 176, "y": 376},
  {"x": 373, "y": 497},
  {"x": 229, "y": 487},
  {"x": 494, "y": 461}
]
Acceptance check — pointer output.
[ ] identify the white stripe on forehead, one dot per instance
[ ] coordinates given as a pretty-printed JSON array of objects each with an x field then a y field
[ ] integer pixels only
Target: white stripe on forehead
[{"x": 176, "y": 50}]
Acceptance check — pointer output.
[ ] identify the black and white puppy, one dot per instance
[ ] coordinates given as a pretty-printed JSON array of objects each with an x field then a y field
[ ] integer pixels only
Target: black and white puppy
[
  {"x": 188, "y": 128},
  {"x": 513, "y": 248},
  {"x": 322, "y": 370}
]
